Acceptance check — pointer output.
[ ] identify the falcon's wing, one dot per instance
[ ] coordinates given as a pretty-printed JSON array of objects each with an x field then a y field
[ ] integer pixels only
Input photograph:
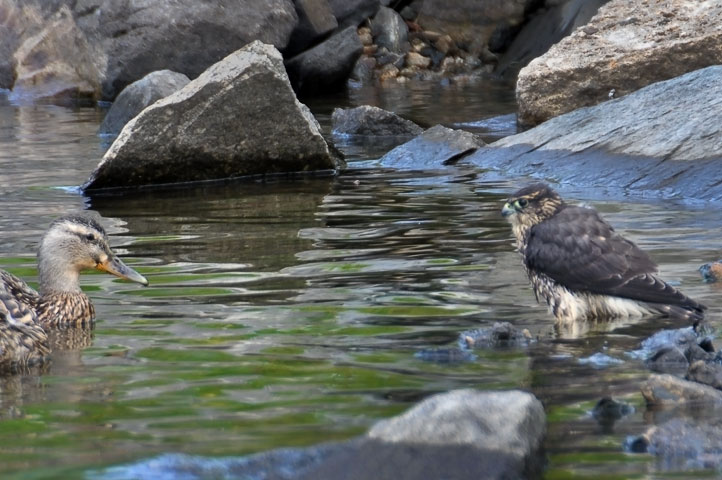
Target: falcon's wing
[{"x": 581, "y": 251}]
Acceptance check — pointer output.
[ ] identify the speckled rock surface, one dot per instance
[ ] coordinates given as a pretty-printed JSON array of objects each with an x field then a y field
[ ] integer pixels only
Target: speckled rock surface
[{"x": 629, "y": 44}]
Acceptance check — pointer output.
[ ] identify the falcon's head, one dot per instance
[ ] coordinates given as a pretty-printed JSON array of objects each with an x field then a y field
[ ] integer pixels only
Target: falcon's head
[{"x": 531, "y": 205}]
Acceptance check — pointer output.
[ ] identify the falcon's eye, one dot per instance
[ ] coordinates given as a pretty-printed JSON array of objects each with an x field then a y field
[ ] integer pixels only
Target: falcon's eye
[
  {"x": 523, "y": 202},
  {"x": 90, "y": 237}
]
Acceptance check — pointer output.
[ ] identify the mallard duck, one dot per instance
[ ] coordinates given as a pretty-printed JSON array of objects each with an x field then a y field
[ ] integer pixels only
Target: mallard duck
[{"x": 71, "y": 244}]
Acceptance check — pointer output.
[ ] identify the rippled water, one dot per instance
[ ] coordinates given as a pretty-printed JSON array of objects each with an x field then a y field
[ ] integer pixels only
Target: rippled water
[{"x": 289, "y": 313}]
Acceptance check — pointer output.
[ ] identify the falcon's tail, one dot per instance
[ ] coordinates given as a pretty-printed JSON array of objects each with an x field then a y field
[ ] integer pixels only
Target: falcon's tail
[{"x": 690, "y": 312}]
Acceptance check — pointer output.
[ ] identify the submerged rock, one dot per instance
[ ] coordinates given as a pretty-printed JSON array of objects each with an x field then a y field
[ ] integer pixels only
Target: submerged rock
[
  {"x": 626, "y": 46},
  {"x": 607, "y": 411},
  {"x": 434, "y": 148},
  {"x": 462, "y": 434},
  {"x": 663, "y": 138},
  {"x": 683, "y": 443},
  {"x": 449, "y": 355},
  {"x": 500, "y": 335},
  {"x": 138, "y": 95},
  {"x": 240, "y": 117},
  {"x": 371, "y": 121}
]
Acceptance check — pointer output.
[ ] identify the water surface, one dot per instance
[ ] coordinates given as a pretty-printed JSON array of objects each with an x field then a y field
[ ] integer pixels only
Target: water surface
[{"x": 286, "y": 314}]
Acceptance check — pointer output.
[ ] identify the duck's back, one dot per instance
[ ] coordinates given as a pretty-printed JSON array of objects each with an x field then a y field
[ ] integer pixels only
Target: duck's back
[{"x": 22, "y": 341}]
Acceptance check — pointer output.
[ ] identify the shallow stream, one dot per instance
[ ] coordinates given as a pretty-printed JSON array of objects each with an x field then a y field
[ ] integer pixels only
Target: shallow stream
[{"x": 286, "y": 314}]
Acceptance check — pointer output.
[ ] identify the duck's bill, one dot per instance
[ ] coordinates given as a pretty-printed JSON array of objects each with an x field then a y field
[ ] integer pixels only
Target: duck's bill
[{"x": 115, "y": 266}]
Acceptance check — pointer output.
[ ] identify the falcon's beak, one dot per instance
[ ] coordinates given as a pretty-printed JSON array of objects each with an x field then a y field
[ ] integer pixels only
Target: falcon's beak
[
  {"x": 507, "y": 210},
  {"x": 115, "y": 266}
]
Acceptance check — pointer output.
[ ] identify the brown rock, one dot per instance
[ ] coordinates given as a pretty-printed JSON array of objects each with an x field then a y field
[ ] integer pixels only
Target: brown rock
[
  {"x": 388, "y": 72},
  {"x": 414, "y": 59},
  {"x": 445, "y": 45},
  {"x": 668, "y": 390}
]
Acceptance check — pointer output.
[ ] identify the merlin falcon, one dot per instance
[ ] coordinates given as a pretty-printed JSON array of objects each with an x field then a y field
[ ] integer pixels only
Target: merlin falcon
[{"x": 582, "y": 268}]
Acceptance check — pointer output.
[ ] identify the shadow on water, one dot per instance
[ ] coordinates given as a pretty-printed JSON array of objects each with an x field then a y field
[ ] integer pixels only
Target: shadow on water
[{"x": 287, "y": 314}]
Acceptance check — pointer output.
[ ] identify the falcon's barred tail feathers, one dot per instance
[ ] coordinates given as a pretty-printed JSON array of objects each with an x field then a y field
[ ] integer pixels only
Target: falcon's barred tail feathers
[{"x": 582, "y": 268}]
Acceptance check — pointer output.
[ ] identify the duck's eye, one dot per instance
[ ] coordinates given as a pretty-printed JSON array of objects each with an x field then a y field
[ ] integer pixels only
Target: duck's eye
[
  {"x": 90, "y": 237},
  {"x": 523, "y": 202}
]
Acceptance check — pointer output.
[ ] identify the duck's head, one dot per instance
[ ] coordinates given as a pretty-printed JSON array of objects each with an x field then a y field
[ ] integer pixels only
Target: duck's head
[{"x": 74, "y": 243}]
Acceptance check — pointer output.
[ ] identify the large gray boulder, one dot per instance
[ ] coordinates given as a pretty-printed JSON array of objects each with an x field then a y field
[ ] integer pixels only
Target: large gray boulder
[
  {"x": 98, "y": 47},
  {"x": 463, "y": 434},
  {"x": 626, "y": 46},
  {"x": 138, "y": 95},
  {"x": 665, "y": 138},
  {"x": 185, "y": 36},
  {"x": 240, "y": 117}
]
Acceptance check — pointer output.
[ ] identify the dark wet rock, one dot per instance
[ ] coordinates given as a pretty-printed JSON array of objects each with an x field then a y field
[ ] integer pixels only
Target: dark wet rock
[
  {"x": 455, "y": 435},
  {"x": 608, "y": 411},
  {"x": 671, "y": 391},
  {"x": 470, "y": 23},
  {"x": 711, "y": 272},
  {"x": 57, "y": 63},
  {"x": 626, "y": 46},
  {"x": 138, "y": 95},
  {"x": 371, "y": 121},
  {"x": 315, "y": 21},
  {"x": 673, "y": 351},
  {"x": 390, "y": 31},
  {"x": 544, "y": 29},
  {"x": 240, "y": 117},
  {"x": 327, "y": 65},
  {"x": 706, "y": 345},
  {"x": 669, "y": 359},
  {"x": 707, "y": 373},
  {"x": 364, "y": 69},
  {"x": 500, "y": 335},
  {"x": 435, "y": 147},
  {"x": 645, "y": 141},
  {"x": 353, "y": 12},
  {"x": 695, "y": 353},
  {"x": 445, "y": 355},
  {"x": 683, "y": 443}
]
